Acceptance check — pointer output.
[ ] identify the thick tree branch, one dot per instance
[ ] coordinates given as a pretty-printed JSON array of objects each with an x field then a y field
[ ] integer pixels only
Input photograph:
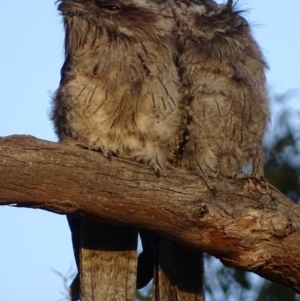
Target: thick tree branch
[{"x": 245, "y": 224}]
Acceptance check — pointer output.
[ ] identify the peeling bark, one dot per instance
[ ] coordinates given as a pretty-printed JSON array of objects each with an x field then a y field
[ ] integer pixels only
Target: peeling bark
[{"x": 247, "y": 224}]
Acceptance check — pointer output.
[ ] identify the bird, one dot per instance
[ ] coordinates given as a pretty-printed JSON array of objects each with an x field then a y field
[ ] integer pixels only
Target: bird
[
  {"x": 223, "y": 75},
  {"x": 225, "y": 113},
  {"x": 168, "y": 83},
  {"x": 118, "y": 95},
  {"x": 118, "y": 81}
]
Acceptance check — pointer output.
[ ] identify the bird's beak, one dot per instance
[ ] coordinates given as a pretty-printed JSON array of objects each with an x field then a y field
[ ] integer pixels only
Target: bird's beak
[{"x": 69, "y": 6}]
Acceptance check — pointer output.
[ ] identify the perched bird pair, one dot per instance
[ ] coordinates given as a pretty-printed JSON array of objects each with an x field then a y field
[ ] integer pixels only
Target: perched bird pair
[{"x": 167, "y": 83}]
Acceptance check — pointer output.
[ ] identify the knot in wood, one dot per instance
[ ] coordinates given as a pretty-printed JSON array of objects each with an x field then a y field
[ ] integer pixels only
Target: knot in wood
[
  {"x": 200, "y": 211},
  {"x": 282, "y": 227}
]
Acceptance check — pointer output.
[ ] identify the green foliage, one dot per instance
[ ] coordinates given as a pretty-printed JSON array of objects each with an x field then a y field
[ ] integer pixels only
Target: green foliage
[
  {"x": 271, "y": 291},
  {"x": 223, "y": 283},
  {"x": 282, "y": 153}
]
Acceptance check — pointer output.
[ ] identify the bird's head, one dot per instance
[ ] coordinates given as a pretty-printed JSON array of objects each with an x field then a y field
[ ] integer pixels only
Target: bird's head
[{"x": 110, "y": 20}]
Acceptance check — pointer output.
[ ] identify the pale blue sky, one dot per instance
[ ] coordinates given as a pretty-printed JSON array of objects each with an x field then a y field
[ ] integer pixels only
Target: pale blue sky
[{"x": 32, "y": 242}]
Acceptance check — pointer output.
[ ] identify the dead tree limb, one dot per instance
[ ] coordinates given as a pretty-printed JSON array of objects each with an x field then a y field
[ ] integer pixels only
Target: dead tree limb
[{"x": 246, "y": 224}]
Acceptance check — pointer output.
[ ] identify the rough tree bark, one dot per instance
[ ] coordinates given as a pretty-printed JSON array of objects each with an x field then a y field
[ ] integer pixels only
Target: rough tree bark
[{"x": 247, "y": 224}]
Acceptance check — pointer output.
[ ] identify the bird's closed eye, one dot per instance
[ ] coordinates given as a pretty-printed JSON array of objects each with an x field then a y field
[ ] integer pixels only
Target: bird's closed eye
[{"x": 111, "y": 7}]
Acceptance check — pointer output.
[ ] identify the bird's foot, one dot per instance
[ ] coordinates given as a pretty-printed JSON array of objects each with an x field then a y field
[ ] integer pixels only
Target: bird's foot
[
  {"x": 254, "y": 177},
  {"x": 107, "y": 152},
  {"x": 158, "y": 168}
]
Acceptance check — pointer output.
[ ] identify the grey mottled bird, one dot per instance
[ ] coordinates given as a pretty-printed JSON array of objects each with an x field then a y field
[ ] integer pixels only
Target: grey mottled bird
[
  {"x": 119, "y": 88},
  {"x": 162, "y": 82},
  {"x": 225, "y": 112},
  {"x": 222, "y": 72},
  {"x": 119, "y": 95}
]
